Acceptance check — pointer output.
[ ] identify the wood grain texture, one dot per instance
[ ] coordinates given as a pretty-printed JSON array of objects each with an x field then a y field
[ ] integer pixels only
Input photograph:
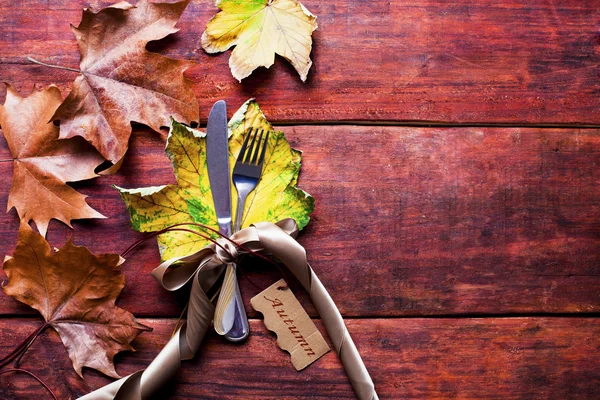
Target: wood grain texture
[
  {"x": 408, "y": 221},
  {"x": 496, "y": 358},
  {"x": 508, "y": 61}
]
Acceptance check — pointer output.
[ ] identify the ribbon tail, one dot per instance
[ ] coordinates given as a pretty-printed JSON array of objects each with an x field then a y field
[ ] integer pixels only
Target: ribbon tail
[
  {"x": 278, "y": 242},
  {"x": 204, "y": 267},
  {"x": 342, "y": 341},
  {"x": 183, "y": 345}
]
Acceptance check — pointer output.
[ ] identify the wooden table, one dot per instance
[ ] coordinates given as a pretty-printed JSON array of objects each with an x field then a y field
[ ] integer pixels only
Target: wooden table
[{"x": 453, "y": 149}]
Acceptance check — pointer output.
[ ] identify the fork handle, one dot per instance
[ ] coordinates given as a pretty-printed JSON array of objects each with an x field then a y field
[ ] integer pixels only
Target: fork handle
[
  {"x": 240, "y": 327},
  {"x": 239, "y": 211}
]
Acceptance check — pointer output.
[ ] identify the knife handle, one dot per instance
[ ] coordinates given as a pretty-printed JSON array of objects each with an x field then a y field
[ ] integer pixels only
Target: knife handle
[{"x": 240, "y": 329}]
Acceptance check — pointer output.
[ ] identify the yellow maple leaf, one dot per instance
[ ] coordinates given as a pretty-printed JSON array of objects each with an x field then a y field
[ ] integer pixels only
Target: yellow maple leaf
[
  {"x": 276, "y": 196},
  {"x": 259, "y": 29}
]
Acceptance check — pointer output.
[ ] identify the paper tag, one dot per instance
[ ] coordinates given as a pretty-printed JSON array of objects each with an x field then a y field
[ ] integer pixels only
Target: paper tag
[{"x": 296, "y": 333}]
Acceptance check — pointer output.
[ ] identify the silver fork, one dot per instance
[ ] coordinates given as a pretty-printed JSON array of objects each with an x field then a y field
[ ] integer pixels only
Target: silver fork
[
  {"x": 246, "y": 174},
  {"x": 248, "y": 169}
]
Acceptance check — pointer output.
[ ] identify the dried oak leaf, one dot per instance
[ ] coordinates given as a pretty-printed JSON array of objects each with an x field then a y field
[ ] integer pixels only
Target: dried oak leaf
[
  {"x": 42, "y": 164},
  {"x": 120, "y": 81},
  {"x": 75, "y": 291},
  {"x": 259, "y": 29}
]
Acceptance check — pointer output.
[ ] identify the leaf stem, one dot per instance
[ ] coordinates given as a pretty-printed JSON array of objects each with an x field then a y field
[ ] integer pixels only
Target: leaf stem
[
  {"x": 7, "y": 160},
  {"x": 22, "y": 347},
  {"x": 38, "y": 333},
  {"x": 33, "y": 376},
  {"x": 33, "y": 60}
]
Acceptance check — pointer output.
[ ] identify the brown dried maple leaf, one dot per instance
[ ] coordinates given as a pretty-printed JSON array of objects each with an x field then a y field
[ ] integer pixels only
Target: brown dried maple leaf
[
  {"x": 42, "y": 164},
  {"x": 120, "y": 81},
  {"x": 75, "y": 291}
]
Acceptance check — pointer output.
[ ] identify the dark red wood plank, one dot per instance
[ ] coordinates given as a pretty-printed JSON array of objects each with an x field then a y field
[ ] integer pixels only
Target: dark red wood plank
[
  {"x": 508, "y": 61},
  {"x": 408, "y": 221},
  {"x": 496, "y": 358}
]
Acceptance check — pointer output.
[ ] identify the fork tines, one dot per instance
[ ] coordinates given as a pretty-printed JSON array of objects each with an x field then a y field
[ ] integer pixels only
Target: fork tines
[
  {"x": 255, "y": 153},
  {"x": 248, "y": 169}
]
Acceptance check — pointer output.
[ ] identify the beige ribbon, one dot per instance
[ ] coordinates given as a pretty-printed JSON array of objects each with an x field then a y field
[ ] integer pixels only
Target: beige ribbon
[{"x": 203, "y": 269}]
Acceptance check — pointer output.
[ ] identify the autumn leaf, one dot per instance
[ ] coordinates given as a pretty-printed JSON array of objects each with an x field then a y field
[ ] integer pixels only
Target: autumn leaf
[
  {"x": 42, "y": 164},
  {"x": 276, "y": 196},
  {"x": 120, "y": 81},
  {"x": 259, "y": 29},
  {"x": 75, "y": 291}
]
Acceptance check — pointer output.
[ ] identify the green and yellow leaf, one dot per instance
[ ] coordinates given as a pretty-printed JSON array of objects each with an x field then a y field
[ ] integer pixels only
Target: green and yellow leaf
[
  {"x": 259, "y": 29},
  {"x": 276, "y": 196}
]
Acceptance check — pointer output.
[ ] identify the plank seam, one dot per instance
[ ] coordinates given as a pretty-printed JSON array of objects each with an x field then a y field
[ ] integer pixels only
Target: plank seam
[{"x": 441, "y": 316}]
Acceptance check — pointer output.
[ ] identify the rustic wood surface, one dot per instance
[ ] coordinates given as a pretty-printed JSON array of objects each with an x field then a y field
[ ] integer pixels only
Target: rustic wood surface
[
  {"x": 490, "y": 61},
  {"x": 434, "y": 221},
  {"x": 414, "y": 358},
  {"x": 450, "y": 222}
]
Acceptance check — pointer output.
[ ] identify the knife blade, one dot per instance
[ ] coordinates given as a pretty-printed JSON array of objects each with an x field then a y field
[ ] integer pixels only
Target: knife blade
[
  {"x": 230, "y": 313},
  {"x": 217, "y": 159}
]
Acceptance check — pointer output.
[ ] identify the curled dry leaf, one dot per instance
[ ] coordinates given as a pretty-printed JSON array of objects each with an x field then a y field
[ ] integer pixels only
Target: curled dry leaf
[
  {"x": 259, "y": 29},
  {"x": 42, "y": 164},
  {"x": 75, "y": 291},
  {"x": 276, "y": 196},
  {"x": 120, "y": 81}
]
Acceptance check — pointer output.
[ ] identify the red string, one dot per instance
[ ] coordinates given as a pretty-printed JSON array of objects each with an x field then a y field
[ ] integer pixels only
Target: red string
[
  {"x": 174, "y": 228},
  {"x": 170, "y": 228},
  {"x": 33, "y": 376},
  {"x": 245, "y": 275}
]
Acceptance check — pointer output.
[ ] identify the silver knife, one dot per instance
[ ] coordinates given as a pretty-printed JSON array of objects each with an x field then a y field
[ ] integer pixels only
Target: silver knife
[{"x": 234, "y": 321}]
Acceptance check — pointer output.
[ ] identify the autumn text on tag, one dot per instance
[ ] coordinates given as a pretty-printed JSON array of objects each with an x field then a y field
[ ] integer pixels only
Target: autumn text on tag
[{"x": 296, "y": 333}]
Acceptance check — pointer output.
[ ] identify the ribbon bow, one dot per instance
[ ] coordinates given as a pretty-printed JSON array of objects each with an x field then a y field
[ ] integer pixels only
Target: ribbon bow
[{"x": 203, "y": 269}]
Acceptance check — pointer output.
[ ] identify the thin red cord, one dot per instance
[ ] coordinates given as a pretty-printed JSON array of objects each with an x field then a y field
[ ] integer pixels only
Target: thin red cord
[
  {"x": 33, "y": 376},
  {"x": 170, "y": 228},
  {"x": 174, "y": 228},
  {"x": 24, "y": 346},
  {"x": 245, "y": 275}
]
